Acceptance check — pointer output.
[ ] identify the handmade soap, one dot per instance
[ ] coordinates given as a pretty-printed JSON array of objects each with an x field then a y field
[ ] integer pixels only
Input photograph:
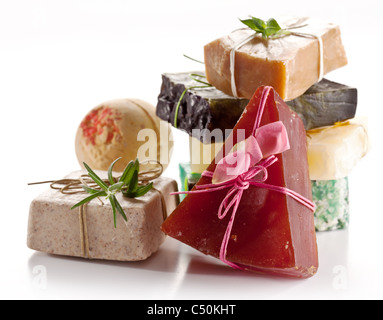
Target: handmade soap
[
  {"x": 334, "y": 151},
  {"x": 272, "y": 232},
  {"x": 325, "y": 103},
  {"x": 291, "y": 64},
  {"x": 201, "y": 108},
  {"x": 333, "y": 206},
  {"x": 56, "y": 229},
  {"x": 127, "y": 128},
  {"x": 330, "y": 197},
  {"x": 208, "y": 109}
]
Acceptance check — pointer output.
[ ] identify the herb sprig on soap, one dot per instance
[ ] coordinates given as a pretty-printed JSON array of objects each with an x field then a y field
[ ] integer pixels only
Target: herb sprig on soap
[
  {"x": 268, "y": 29},
  {"x": 128, "y": 184}
]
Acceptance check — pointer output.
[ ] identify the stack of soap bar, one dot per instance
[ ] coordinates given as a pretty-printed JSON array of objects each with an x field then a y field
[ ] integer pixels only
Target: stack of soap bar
[
  {"x": 290, "y": 64},
  {"x": 208, "y": 109},
  {"x": 331, "y": 198},
  {"x": 334, "y": 151},
  {"x": 272, "y": 233},
  {"x": 56, "y": 229}
]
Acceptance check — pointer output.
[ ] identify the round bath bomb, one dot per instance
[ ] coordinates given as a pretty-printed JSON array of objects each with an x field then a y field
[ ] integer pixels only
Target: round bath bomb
[{"x": 126, "y": 128}]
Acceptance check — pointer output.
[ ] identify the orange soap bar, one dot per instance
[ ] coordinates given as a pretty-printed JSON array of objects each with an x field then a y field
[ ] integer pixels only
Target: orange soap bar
[
  {"x": 291, "y": 64},
  {"x": 272, "y": 233}
]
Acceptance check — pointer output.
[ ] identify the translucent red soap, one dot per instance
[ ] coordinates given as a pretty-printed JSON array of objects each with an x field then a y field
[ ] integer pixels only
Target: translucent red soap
[{"x": 272, "y": 232}]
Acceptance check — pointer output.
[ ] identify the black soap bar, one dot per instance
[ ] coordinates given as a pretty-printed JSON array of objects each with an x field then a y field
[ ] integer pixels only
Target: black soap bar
[
  {"x": 325, "y": 103},
  {"x": 208, "y": 109}
]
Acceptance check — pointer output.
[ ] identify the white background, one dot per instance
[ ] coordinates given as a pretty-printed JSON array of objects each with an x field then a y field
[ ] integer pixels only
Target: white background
[{"x": 59, "y": 59}]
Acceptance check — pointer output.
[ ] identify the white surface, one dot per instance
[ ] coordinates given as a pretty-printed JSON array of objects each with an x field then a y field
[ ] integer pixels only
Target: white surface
[{"x": 59, "y": 59}]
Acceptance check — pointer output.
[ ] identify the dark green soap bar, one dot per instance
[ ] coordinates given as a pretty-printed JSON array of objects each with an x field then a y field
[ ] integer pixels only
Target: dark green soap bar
[
  {"x": 325, "y": 103},
  {"x": 208, "y": 109}
]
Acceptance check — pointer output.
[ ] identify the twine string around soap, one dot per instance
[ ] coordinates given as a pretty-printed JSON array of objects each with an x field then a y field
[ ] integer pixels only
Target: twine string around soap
[
  {"x": 74, "y": 186},
  {"x": 297, "y": 25}
]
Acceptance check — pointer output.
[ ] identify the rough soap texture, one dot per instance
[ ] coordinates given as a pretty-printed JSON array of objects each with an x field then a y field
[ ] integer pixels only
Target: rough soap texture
[
  {"x": 333, "y": 205},
  {"x": 290, "y": 64},
  {"x": 201, "y": 108},
  {"x": 55, "y": 228}
]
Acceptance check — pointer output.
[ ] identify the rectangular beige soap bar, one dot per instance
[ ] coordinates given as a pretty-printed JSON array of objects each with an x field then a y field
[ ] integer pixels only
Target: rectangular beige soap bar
[
  {"x": 56, "y": 229},
  {"x": 291, "y": 64}
]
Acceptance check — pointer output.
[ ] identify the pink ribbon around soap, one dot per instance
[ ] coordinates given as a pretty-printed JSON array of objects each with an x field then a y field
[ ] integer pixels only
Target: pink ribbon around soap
[{"x": 242, "y": 167}]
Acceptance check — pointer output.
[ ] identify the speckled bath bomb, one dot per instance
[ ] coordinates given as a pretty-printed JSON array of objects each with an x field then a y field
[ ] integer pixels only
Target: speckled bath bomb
[{"x": 112, "y": 130}]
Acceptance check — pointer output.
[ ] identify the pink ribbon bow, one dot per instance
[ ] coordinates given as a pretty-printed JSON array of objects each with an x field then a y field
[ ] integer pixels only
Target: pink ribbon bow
[
  {"x": 268, "y": 140},
  {"x": 242, "y": 167}
]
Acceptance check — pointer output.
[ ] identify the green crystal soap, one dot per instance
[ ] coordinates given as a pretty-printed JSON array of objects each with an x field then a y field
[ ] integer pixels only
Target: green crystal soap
[
  {"x": 208, "y": 109},
  {"x": 333, "y": 207}
]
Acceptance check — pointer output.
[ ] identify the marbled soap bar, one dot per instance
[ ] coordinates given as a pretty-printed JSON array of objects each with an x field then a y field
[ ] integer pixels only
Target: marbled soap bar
[
  {"x": 290, "y": 64},
  {"x": 330, "y": 197},
  {"x": 334, "y": 151},
  {"x": 56, "y": 229},
  {"x": 208, "y": 109},
  {"x": 333, "y": 206}
]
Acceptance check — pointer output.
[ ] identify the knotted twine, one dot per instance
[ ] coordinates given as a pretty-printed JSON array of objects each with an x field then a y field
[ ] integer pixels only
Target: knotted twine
[{"x": 297, "y": 25}]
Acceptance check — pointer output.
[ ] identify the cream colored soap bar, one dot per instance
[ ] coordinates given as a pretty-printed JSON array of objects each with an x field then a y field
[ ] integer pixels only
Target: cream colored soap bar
[
  {"x": 56, "y": 229},
  {"x": 334, "y": 151},
  {"x": 290, "y": 64}
]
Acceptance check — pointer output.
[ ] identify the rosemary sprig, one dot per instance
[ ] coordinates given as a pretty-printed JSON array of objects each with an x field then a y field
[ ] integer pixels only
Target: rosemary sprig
[
  {"x": 194, "y": 77},
  {"x": 195, "y": 60},
  {"x": 270, "y": 28},
  {"x": 128, "y": 185}
]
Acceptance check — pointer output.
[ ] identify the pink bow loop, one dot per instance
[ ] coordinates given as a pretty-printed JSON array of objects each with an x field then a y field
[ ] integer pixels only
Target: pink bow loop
[{"x": 268, "y": 140}]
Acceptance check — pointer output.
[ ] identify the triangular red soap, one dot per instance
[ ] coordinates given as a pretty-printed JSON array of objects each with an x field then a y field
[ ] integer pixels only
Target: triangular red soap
[{"x": 272, "y": 232}]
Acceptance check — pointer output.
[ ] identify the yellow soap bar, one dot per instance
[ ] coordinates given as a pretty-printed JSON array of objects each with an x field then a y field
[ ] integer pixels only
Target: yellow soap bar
[
  {"x": 334, "y": 151},
  {"x": 291, "y": 64}
]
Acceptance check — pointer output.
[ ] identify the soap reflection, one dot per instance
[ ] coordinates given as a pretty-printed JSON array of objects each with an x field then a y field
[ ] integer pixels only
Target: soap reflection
[
  {"x": 177, "y": 270},
  {"x": 334, "y": 269}
]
